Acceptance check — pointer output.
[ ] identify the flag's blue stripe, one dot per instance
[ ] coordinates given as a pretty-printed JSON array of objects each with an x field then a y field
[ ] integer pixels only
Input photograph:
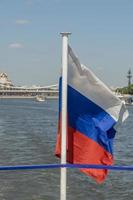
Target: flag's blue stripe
[{"x": 90, "y": 120}]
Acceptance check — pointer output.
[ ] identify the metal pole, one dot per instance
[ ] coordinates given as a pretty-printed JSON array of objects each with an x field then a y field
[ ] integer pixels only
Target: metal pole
[{"x": 64, "y": 114}]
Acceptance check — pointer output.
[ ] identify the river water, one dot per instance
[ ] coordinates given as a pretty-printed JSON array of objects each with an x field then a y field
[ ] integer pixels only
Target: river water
[{"x": 27, "y": 136}]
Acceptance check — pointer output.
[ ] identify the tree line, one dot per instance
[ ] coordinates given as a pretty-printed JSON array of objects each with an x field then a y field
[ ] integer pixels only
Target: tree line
[{"x": 125, "y": 90}]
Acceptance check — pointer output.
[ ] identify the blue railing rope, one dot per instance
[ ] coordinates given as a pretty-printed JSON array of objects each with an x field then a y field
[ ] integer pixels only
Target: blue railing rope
[{"x": 51, "y": 166}]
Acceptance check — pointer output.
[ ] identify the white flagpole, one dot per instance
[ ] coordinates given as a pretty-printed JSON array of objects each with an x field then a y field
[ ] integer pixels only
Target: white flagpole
[{"x": 64, "y": 114}]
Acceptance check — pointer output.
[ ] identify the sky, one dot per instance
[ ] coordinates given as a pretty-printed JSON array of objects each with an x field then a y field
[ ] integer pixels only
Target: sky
[{"x": 30, "y": 41}]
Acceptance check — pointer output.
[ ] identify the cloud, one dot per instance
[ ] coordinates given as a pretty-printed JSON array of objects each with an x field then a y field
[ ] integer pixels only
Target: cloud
[
  {"x": 15, "y": 46},
  {"x": 32, "y": 2},
  {"x": 28, "y": 1},
  {"x": 22, "y": 21}
]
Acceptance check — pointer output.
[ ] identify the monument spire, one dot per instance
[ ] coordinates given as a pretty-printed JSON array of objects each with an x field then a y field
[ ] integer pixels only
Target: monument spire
[{"x": 129, "y": 76}]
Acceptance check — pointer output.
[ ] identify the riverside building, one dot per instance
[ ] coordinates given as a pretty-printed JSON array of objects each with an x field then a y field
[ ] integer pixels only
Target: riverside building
[{"x": 8, "y": 89}]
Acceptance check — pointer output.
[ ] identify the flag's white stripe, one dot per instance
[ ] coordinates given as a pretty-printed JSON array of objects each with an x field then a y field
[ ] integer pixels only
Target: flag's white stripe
[{"x": 85, "y": 82}]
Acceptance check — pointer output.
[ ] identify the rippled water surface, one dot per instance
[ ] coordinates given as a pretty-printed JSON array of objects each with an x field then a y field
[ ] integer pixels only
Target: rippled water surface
[{"x": 27, "y": 136}]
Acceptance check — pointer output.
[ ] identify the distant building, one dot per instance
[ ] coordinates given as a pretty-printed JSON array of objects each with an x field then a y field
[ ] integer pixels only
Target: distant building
[
  {"x": 8, "y": 89},
  {"x": 4, "y": 81}
]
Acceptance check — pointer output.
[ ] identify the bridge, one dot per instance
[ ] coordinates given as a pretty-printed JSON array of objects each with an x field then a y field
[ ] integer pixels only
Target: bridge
[{"x": 50, "y": 91}]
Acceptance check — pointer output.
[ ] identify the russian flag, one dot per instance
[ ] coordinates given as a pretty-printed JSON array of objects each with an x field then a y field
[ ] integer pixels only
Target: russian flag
[{"x": 92, "y": 111}]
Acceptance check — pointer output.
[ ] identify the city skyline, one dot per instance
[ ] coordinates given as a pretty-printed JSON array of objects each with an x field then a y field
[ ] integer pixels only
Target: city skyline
[{"x": 30, "y": 41}]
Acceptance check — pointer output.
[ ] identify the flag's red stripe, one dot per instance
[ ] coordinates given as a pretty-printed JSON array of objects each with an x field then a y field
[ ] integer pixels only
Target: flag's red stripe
[{"x": 83, "y": 150}]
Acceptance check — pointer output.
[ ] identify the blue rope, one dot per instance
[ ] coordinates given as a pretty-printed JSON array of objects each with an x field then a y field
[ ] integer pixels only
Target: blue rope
[{"x": 51, "y": 166}]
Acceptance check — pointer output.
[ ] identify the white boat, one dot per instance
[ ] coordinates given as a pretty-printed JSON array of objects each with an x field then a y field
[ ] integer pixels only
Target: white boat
[
  {"x": 125, "y": 98},
  {"x": 40, "y": 98}
]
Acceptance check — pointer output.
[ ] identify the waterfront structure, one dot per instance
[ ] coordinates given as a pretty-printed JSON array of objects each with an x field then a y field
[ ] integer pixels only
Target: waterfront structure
[
  {"x": 4, "y": 81},
  {"x": 7, "y": 89}
]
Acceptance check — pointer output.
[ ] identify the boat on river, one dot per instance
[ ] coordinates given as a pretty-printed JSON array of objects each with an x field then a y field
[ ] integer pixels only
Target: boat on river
[
  {"x": 126, "y": 98},
  {"x": 40, "y": 98}
]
